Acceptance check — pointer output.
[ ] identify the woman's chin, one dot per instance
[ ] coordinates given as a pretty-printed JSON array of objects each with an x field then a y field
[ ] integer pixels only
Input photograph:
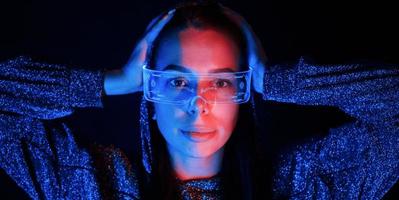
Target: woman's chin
[{"x": 202, "y": 151}]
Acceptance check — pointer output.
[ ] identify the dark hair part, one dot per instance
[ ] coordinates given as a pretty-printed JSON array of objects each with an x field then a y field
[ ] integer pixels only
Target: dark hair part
[{"x": 243, "y": 176}]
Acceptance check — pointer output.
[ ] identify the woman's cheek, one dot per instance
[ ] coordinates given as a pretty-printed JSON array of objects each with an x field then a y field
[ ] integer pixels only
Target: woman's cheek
[
  {"x": 168, "y": 112},
  {"x": 178, "y": 113},
  {"x": 226, "y": 116}
]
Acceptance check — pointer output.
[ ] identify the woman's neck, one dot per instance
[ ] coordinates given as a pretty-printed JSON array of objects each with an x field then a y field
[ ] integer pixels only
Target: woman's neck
[{"x": 186, "y": 167}]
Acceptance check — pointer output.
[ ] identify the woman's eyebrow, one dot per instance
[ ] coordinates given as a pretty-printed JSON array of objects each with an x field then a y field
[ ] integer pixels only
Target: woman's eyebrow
[
  {"x": 176, "y": 68},
  {"x": 221, "y": 70}
]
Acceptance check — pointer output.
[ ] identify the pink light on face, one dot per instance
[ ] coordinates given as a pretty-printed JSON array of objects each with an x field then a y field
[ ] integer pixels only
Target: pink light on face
[
  {"x": 204, "y": 51},
  {"x": 202, "y": 129}
]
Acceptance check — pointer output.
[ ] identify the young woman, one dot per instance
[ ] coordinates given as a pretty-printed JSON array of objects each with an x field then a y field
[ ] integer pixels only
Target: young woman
[
  {"x": 200, "y": 145},
  {"x": 212, "y": 134}
]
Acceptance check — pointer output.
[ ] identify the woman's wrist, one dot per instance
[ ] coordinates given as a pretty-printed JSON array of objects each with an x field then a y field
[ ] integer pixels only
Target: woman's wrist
[
  {"x": 116, "y": 83},
  {"x": 258, "y": 77}
]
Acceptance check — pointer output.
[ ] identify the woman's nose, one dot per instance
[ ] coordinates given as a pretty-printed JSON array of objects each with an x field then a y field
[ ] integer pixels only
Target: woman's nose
[{"x": 198, "y": 105}]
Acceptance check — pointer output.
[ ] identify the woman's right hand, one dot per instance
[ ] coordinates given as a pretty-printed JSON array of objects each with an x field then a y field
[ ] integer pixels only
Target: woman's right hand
[{"x": 129, "y": 79}]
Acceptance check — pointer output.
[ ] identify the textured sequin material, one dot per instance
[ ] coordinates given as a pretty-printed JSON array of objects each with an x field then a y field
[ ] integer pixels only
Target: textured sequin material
[
  {"x": 41, "y": 156},
  {"x": 200, "y": 189},
  {"x": 47, "y": 91},
  {"x": 358, "y": 160}
]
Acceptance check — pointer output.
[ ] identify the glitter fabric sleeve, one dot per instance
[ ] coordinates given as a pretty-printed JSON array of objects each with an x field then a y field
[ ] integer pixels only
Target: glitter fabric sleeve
[
  {"x": 47, "y": 91},
  {"x": 41, "y": 155},
  {"x": 356, "y": 160},
  {"x": 44, "y": 159},
  {"x": 368, "y": 93}
]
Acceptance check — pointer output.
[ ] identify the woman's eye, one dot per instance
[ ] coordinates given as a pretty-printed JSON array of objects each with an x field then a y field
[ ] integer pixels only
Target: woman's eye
[
  {"x": 178, "y": 83},
  {"x": 222, "y": 83}
]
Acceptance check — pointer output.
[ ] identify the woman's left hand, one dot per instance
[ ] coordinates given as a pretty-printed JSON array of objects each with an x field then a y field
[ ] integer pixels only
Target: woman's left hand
[{"x": 256, "y": 54}]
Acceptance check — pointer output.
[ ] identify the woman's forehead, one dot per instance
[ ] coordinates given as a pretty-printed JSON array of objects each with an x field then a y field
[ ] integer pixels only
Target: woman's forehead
[
  {"x": 188, "y": 69},
  {"x": 199, "y": 50}
]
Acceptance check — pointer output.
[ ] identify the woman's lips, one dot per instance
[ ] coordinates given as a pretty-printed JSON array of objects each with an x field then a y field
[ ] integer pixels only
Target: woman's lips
[{"x": 198, "y": 135}]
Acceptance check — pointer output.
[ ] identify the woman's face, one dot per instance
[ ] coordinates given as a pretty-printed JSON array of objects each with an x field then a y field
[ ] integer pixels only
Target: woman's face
[{"x": 199, "y": 129}]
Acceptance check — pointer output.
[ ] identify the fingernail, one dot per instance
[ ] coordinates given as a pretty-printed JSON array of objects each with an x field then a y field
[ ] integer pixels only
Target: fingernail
[{"x": 171, "y": 11}]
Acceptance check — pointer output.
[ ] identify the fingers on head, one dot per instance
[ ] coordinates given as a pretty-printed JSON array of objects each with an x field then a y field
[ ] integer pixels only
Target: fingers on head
[{"x": 157, "y": 24}]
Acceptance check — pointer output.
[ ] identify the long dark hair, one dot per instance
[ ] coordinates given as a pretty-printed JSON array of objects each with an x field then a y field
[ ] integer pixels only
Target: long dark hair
[{"x": 245, "y": 170}]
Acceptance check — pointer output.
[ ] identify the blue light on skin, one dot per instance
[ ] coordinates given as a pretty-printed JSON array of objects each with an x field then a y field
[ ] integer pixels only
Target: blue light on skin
[{"x": 196, "y": 133}]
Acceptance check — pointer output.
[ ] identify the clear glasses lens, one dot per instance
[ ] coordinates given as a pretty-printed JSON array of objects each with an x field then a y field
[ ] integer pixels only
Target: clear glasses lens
[{"x": 179, "y": 88}]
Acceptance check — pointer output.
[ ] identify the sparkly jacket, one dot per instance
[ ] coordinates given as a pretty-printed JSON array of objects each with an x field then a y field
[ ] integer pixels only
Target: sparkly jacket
[{"x": 356, "y": 160}]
